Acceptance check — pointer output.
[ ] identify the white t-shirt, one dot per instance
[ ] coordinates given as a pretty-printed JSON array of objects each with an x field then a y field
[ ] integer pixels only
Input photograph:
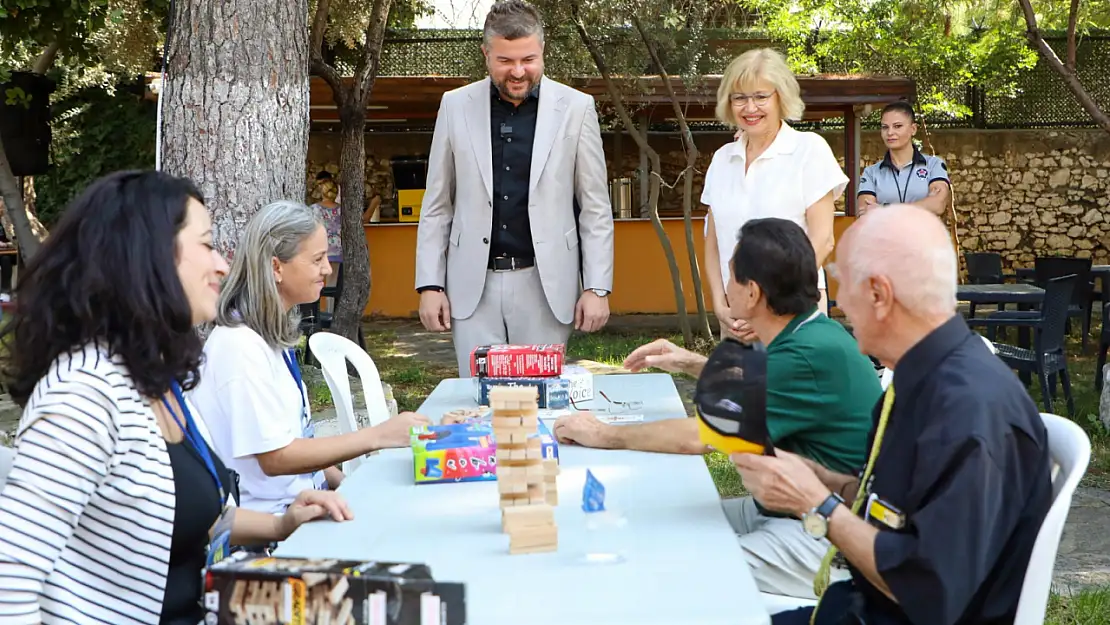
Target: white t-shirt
[
  {"x": 792, "y": 174},
  {"x": 251, "y": 405}
]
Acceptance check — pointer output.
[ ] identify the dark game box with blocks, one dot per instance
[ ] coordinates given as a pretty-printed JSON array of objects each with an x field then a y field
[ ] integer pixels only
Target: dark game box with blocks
[{"x": 260, "y": 590}]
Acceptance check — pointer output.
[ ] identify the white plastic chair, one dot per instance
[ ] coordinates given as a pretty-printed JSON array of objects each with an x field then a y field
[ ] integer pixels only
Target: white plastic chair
[
  {"x": 1071, "y": 452},
  {"x": 7, "y": 458},
  {"x": 333, "y": 351},
  {"x": 888, "y": 374}
]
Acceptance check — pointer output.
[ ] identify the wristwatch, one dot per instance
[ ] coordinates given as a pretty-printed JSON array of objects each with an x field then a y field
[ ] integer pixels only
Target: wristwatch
[
  {"x": 600, "y": 292},
  {"x": 816, "y": 521}
]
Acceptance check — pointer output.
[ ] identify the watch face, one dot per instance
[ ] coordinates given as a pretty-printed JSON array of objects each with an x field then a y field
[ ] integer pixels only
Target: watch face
[{"x": 815, "y": 525}]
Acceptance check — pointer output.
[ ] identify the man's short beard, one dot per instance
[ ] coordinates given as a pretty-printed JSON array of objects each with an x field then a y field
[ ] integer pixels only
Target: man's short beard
[{"x": 502, "y": 88}]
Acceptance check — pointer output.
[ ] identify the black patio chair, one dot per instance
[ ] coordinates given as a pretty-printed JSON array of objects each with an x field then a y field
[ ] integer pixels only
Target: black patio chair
[
  {"x": 1048, "y": 268},
  {"x": 984, "y": 268},
  {"x": 1047, "y": 359}
]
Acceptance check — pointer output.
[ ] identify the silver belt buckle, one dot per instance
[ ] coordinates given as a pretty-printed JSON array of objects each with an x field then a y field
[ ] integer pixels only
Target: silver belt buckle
[{"x": 512, "y": 264}]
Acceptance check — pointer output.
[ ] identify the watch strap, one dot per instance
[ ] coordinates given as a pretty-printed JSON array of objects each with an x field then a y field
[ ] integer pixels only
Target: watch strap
[{"x": 827, "y": 507}]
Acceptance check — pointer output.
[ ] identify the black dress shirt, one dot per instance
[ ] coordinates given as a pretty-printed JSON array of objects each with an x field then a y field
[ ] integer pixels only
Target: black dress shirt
[
  {"x": 965, "y": 458},
  {"x": 513, "y": 131}
]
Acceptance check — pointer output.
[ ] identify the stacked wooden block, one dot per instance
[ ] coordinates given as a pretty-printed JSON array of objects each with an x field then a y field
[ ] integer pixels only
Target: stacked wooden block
[{"x": 525, "y": 481}]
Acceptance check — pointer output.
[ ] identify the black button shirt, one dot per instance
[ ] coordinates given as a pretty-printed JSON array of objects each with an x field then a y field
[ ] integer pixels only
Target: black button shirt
[
  {"x": 965, "y": 458},
  {"x": 513, "y": 131}
]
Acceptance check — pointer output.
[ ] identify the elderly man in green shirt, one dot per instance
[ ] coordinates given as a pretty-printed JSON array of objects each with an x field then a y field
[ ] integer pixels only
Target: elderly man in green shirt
[{"x": 820, "y": 393}]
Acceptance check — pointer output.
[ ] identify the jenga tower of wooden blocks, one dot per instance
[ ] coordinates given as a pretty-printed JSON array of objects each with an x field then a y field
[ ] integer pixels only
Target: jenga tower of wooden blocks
[{"x": 523, "y": 476}]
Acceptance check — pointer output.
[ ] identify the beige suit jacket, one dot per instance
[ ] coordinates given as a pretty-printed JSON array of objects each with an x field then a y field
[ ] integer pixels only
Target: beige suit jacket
[{"x": 568, "y": 163}]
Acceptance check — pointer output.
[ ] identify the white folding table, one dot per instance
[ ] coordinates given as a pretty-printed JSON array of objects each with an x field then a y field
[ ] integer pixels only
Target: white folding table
[{"x": 682, "y": 563}]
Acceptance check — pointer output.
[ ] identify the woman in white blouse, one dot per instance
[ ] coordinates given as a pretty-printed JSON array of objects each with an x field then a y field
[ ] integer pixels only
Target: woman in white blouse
[
  {"x": 771, "y": 170},
  {"x": 111, "y": 505}
]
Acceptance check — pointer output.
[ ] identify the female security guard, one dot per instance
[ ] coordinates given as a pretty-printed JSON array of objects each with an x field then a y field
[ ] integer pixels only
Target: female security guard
[{"x": 905, "y": 175}]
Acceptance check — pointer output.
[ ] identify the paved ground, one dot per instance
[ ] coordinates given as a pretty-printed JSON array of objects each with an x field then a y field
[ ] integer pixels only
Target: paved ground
[{"x": 1084, "y": 555}]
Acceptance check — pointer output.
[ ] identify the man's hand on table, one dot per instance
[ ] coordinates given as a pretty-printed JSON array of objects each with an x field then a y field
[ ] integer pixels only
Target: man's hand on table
[
  {"x": 665, "y": 355},
  {"x": 583, "y": 428},
  {"x": 784, "y": 482},
  {"x": 396, "y": 432}
]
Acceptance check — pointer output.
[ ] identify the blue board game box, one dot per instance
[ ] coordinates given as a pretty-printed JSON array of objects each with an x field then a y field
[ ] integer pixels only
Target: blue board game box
[{"x": 463, "y": 452}]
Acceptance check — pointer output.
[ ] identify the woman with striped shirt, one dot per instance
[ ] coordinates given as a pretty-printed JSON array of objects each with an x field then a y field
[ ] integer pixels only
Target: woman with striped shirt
[{"x": 107, "y": 512}]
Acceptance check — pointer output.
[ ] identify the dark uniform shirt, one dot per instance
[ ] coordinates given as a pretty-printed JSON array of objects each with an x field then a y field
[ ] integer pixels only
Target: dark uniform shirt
[
  {"x": 513, "y": 131},
  {"x": 965, "y": 459}
]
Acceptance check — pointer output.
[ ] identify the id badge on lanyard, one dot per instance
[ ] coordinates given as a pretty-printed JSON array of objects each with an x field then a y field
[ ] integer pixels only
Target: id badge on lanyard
[{"x": 308, "y": 428}]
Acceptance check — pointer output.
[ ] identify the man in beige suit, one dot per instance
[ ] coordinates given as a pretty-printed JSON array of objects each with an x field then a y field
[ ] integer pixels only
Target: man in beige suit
[{"x": 501, "y": 256}]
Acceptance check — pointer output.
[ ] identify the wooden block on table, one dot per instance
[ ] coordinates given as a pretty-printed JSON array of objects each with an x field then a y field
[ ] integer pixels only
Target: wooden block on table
[
  {"x": 506, "y": 423},
  {"x": 551, "y": 465},
  {"x": 522, "y": 412},
  {"x": 552, "y": 497},
  {"x": 533, "y": 469},
  {"x": 512, "y": 487},
  {"x": 518, "y": 454},
  {"x": 514, "y": 499},
  {"x": 534, "y": 538},
  {"x": 516, "y": 437},
  {"x": 530, "y": 422},
  {"x": 511, "y": 397},
  {"x": 534, "y": 453},
  {"x": 527, "y": 516}
]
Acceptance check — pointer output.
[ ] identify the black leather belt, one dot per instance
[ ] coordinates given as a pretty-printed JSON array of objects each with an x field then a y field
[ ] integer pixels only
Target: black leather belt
[{"x": 508, "y": 263}]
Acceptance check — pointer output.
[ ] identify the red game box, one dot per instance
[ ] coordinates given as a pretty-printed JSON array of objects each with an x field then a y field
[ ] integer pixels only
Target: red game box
[{"x": 517, "y": 361}]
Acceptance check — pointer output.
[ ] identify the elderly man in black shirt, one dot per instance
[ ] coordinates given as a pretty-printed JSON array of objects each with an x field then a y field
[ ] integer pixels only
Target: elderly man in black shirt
[{"x": 950, "y": 507}]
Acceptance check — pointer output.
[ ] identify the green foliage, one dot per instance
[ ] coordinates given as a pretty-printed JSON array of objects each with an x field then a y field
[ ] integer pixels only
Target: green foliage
[
  {"x": 116, "y": 31},
  {"x": 96, "y": 131}
]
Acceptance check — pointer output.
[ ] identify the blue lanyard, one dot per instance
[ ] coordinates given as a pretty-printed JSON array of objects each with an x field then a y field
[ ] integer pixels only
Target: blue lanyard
[
  {"x": 295, "y": 371},
  {"x": 189, "y": 429}
]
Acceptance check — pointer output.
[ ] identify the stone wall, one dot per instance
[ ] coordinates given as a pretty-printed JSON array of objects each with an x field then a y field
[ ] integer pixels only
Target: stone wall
[{"x": 1021, "y": 193}]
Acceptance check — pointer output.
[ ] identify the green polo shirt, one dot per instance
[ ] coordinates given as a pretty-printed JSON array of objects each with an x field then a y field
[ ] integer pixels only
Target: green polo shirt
[{"x": 820, "y": 393}]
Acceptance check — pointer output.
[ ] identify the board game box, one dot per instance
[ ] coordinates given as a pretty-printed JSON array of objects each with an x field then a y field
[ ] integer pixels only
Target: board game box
[
  {"x": 574, "y": 384},
  {"x": 517, "y": 361},
  {"x": 253, "y": 590},
  {"x": 463, "y": 452}
]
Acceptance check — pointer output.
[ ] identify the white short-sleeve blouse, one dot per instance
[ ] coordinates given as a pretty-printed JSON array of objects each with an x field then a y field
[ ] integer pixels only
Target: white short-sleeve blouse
[{"x": 791, "y": 175}]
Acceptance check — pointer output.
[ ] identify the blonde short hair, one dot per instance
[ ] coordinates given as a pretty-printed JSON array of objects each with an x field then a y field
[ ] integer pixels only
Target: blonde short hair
[{"x": 753, "y": 66}]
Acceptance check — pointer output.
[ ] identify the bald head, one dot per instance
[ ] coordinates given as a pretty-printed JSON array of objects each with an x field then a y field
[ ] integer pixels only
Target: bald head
[{"x": 911, "y": 248}]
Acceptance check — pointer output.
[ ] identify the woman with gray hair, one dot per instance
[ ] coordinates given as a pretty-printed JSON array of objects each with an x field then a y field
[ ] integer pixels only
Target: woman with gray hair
[{"x": 251, "y": 393}]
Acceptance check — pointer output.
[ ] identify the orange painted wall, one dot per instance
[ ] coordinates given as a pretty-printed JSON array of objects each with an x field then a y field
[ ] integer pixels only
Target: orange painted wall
[{"x": 641, "y": 280}]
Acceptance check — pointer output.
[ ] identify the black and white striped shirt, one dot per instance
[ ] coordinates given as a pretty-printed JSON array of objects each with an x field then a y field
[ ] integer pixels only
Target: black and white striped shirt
[{"x": 86, "y": 517}]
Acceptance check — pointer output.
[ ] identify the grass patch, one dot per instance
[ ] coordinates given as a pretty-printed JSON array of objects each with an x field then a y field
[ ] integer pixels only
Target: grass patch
[
  {"x": 412, "y": 380},
  {"x": 1087, "y": 607},
  {"x": 1081, "y": 370}
]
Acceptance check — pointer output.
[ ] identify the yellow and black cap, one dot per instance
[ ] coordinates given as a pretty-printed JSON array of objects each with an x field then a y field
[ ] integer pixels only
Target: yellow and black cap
[{"x": 731, "y": 400}]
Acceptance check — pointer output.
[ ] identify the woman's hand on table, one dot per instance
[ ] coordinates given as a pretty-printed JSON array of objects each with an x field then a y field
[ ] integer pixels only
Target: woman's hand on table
[
  {"x": 397, "y": 431},
  {"x": 582, "y": 428},
  {"x": 311, "y": 505}
]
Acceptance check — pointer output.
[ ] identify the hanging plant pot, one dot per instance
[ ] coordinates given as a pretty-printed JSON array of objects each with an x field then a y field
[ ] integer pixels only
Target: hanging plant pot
[{"x": 25, "y": 122}]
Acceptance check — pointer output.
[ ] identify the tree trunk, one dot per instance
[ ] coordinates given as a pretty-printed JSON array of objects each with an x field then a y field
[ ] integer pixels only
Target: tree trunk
[
  {"x": 1071, "y": 79},
  {"x": 691, "y": 149},
  {"x": 235, "y": 119},
  {"x": 356, "y": 258},
  {"x": 352, "y": 99},
  {"x": 25, "y": 238},
  {"x": 653, "y": 186},
  {"x": 692, "y": 252}
]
